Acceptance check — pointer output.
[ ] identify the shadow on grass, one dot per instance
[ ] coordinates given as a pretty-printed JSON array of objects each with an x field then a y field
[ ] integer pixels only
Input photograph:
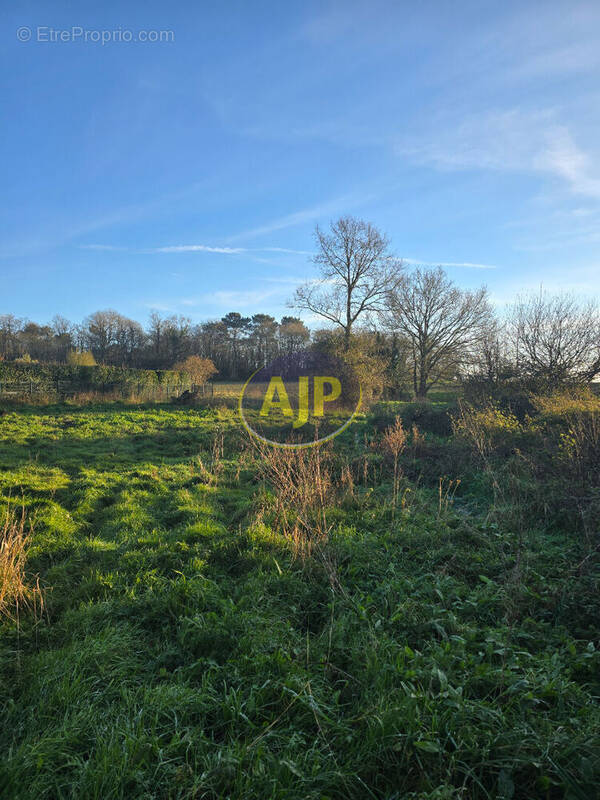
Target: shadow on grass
[
  {"x": 201, "y": 407},
  {"x": 65, "y": 448}
]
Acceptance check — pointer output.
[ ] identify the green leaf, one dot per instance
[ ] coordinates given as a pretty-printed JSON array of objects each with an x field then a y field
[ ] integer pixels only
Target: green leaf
[
  {"x": 292, "y": 767},
  {"x": 428, "y": 747},
  {"x": 506, "y": 787}
]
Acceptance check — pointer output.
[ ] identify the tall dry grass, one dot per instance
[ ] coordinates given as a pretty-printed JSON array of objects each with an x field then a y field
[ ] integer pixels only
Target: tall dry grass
[
  {"x": 394, "y": 443},
  {"x": 544, "y": 469},
  {"x": 303, "y": 484},
  {"x": 17, "y": 594}
]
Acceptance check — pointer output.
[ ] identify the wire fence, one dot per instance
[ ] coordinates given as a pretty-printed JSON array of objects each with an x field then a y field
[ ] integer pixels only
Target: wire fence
[
  {"x": 228, "y": 391},
  {"x": 61, "y": 389}
]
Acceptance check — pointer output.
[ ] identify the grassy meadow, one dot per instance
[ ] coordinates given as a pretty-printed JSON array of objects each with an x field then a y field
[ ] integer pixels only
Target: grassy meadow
[{"x": 411, "y": 612}]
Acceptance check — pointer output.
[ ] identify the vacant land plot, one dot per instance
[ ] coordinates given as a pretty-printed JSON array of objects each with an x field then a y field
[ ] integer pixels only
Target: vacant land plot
[{"x": 196, "y": 642}]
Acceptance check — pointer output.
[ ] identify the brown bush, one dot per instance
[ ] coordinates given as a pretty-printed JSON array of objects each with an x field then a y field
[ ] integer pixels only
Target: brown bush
[{"x": 199, "y": 369}]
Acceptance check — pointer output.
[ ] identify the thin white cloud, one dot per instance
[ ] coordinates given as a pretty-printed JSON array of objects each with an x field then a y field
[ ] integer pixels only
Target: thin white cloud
[
  {"x": 193, "y": 248},
  {"x": 289, "y": 280},
  {"x": 177, "y": 248},
  {"x": 466, "y": 264},
  {"x": 196, "y": 248},
  {"x": 202, "y": 248},
  {"x": 283, "y": 250}
]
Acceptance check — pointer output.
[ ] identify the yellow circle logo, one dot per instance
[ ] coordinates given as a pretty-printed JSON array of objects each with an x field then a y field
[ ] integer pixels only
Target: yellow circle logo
[{"x": 300, "y": 400}]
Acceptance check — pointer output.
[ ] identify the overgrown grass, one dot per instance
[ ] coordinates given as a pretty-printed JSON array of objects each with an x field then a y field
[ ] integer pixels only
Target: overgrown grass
[
  {"x": 17, "y": 593},
  {"x": 187, "y": 652}
]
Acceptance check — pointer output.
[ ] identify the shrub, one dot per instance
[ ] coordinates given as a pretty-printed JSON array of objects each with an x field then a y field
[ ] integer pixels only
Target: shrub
[
  {"x": 581, "y": 446},
  {"x": 513, "y": 395},
  {"x": 545, "y": 468},
  {"x": 567, "y": 402},
  {"x": 429, "y": 418},
  {"x": 485, "y": 429},
  {"x": 383, "y": 414},
  {"x": 81, "y": 359},
  {"x": 198, "y": 369},
  {"x": 25, "y": 359}
]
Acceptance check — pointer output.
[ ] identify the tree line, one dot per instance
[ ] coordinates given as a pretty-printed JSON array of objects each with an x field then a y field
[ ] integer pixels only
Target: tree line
[
  {"x": 401, "y": 329},
  {"x": 235, "y": 344}
]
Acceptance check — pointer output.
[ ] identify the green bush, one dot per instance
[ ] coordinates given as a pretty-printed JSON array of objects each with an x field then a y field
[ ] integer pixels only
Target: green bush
[
  {"x": 428, "y": 417},
  {"x": 44, "y": 377},
  {"x": 81, "y": 359}
]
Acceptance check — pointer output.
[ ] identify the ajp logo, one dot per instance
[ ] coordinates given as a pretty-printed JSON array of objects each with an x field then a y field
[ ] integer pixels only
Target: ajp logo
[{"x": 300, "y": 400}]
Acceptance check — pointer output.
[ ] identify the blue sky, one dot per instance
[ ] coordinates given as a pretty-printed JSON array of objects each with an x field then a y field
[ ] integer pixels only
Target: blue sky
[{"x": 188, "y": 176}]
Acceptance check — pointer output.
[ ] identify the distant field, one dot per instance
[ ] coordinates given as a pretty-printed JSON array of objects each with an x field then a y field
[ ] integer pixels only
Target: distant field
[
  {"x": 445, "y": 394},
  {"x": 227, "y": 388},
  {"x": 187, "y": 650}
]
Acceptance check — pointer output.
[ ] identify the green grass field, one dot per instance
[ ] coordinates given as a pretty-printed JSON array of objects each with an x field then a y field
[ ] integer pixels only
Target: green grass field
[{"x": 187, "y": 650}]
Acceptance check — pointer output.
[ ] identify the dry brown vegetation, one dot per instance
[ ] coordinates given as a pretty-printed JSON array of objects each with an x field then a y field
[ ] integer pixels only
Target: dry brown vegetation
[
  {"x": 304, "y": 487},
  {"x": 17, "y": 593},
  {"x": 394, "y": 442}
]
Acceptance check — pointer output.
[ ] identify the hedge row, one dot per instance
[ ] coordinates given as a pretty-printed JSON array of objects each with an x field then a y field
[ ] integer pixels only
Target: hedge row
[
  {"x": 45, "y": 376},
  {"x": 428, "y": 417}
]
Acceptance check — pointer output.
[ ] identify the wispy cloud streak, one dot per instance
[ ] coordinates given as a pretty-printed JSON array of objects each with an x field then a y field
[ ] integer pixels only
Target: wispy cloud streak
[
  {"x": 466, "y": 264},
  {"x": 509, "y": 140},
  {"x": 193, "y": 248}
]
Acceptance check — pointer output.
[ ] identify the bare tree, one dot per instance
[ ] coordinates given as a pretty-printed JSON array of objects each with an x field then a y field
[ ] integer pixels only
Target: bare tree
[
  {"x": 9, "y": 329},
  {"x": 129, "y": 342},
  {"x": 555, "y": 338},
  {"x": 357, "y": 271},
  {"x": 441, "y": 322},
  {"x": 113, "y": 338},
  {"x": 101, "y": 329},
  {"x": 61, "y": 326},
  {"x": 492, "y": 361},
  {"x": 156, "y": 327}
]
